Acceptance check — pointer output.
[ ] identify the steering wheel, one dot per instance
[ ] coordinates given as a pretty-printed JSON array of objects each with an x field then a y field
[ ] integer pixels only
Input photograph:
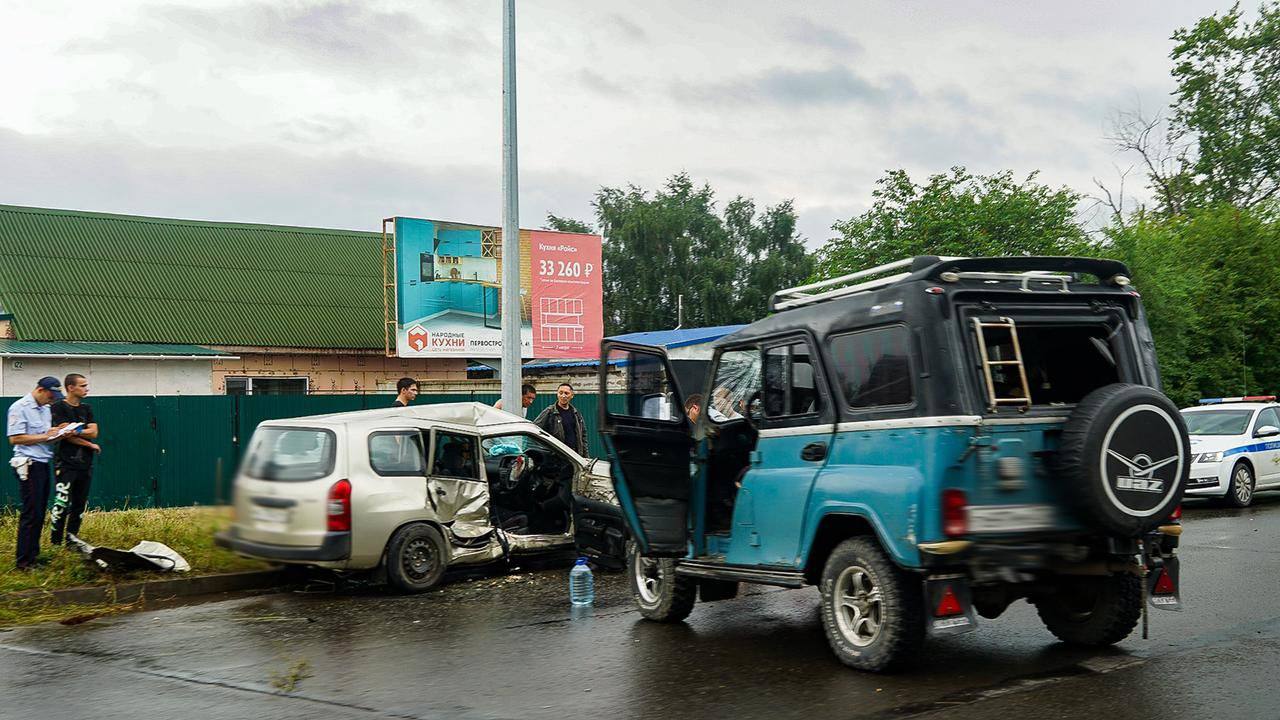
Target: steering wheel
[{"x": 510, "y": 469}]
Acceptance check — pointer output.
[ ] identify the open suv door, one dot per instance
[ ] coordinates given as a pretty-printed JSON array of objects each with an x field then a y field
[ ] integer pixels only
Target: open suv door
[{"x": 648, "y": 438}]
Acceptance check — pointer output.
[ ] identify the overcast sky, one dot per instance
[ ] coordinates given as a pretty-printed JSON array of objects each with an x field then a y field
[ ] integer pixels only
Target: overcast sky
[{"x": 337, "y": 114}]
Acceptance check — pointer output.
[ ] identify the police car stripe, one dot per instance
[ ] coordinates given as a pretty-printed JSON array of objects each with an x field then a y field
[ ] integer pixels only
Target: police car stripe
[{"x": 1257, "y": 447}]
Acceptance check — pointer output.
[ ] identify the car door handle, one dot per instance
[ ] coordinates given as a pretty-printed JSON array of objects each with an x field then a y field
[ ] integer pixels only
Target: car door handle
[{"x": 814, "y": 451}]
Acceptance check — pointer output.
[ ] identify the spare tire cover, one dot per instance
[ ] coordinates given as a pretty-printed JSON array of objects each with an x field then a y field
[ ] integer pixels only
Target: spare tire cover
[{"x": 1126, "y": 455}]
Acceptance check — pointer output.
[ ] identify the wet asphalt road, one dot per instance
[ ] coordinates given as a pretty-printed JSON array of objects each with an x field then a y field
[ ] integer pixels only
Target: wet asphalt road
[{"x": 511, "y": 648}]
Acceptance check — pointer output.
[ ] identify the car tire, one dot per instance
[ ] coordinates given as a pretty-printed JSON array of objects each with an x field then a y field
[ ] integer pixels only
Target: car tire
[
  {"x": 872, "y": 610},
  {"x": 1112, "y": 436},
  {"x": 712, "y": 590},
  {"x": 661, "y": 594},
  {"x": 1240, "y": 489},
  {"x": 1092, "y": 611},
  {"x": 417, "y": 557}
]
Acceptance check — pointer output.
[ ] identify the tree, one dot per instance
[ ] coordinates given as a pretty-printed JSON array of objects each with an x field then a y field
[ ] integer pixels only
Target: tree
[
  {"x": 1221, "y": 140},
  {"x": 955, "y": 213},
  {"x": 1211, "y": 290},
  {"x": 565, "y": 224},
  {"x": 1228, "y": 101},
  {"x": 671, "y": 243}
]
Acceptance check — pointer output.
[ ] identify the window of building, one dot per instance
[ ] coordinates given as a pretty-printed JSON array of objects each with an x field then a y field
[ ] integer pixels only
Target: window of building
[
  {"x": 240, "y": 385},
  {"x": 873, "y": 367}
]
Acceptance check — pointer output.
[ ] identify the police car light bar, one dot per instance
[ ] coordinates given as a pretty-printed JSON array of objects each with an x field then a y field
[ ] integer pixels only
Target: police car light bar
[{"x": 1246, "y": 398}]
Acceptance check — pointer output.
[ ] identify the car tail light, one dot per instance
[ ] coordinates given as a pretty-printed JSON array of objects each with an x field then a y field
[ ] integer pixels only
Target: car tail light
[
  {"x": 955, "y": 514},
  {"x": 1176, "y": 514},
  {"x": 949, "y": 605},
  {"x": 338, "y": 507}
]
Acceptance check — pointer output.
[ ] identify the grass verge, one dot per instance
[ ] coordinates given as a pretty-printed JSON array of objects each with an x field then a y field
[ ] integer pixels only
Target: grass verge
[{"x": 188, "y": 530}]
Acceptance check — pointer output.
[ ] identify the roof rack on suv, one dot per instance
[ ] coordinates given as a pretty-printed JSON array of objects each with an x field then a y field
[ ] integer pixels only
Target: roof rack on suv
[
  {"x": 1056, "y": 272},
  {"x": 844, "y": 285}
]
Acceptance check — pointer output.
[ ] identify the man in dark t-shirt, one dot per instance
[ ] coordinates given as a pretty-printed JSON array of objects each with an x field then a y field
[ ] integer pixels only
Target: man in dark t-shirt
[
  {"x": 564, "y": 421},
  {"x": 406, "y": 391},
  {"x": 73, "y": 460}
]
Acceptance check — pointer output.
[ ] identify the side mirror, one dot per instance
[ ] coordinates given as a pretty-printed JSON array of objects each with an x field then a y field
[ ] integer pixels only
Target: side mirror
[{"x": 1266, "y": 431}]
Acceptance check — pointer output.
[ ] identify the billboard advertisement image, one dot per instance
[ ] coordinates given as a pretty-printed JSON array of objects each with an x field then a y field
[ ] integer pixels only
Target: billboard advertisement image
[{"x": 448, "y": 291}]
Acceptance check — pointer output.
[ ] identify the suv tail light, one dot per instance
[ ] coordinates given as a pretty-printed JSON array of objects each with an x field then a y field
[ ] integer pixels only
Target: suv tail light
[
  {"x": 955, "y": 514},
  {"x": 1177, "y": 513},
  {"x": 338, "y": 506}
]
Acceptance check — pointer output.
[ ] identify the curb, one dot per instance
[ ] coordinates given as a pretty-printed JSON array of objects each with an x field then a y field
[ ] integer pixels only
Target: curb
[{"x": 153, "y": 589}]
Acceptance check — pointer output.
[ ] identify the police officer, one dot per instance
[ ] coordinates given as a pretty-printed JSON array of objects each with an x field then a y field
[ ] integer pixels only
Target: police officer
[{"x": 32, "y": 435}]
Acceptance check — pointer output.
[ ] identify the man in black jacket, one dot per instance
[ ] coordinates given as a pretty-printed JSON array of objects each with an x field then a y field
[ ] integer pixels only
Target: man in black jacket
[
  {"x": 564, "y": 421},
  {"x": 73, "y": 460}
]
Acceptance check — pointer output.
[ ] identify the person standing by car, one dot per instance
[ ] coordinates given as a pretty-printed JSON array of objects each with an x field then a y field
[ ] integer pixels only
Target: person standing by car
[
  {"x": 564, "y": 421},
  {"x": 693, "y": 408},
  {"x": 527, "y": 395},
  {"x": 32, "y": 434},
  {"x": 406, "y": 391},
  {"x": 73, "y": 461}
]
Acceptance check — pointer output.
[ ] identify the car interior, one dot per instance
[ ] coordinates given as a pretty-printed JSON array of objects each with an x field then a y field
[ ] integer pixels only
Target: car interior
[{"x": 530, "y": 485}]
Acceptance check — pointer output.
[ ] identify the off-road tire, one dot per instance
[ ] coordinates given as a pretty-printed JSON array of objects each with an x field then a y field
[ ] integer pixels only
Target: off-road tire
[
  {"x": 901, "y": 627},
  {"x": 712, "y": 590},
  {"x": 1234, "y": 489},
  {"x": 1145, "y": 428},
  {"x": 670, "y": 597},
  {"x": 417, "y": 557},
  {"x": 1113, "y": 602}
]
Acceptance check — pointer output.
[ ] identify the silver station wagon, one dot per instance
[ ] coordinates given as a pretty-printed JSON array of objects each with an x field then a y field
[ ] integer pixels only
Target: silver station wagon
[{"x": 412, "y": 491}]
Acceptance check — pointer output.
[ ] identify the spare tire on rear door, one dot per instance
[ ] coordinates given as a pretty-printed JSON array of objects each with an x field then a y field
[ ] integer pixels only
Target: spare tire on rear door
[{"x": 1125, "y": 456}]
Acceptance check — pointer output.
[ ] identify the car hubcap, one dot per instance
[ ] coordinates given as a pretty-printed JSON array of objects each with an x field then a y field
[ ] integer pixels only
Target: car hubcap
[
  {"x": 1244, "y": 486},
  {"x": 419, "y": 559},
  {"x": 647, "y": 576},
  {"x": 859, "y": 606}
]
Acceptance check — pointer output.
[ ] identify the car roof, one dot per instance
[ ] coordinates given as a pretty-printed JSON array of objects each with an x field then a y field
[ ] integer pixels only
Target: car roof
[
  {"x": 468, "y": 416},
  {"x": 1231, "y": 406}
]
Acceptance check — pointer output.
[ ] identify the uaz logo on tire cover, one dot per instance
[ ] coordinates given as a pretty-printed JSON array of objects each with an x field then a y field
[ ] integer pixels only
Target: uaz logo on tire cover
[{"x": 1141, "y": 462}]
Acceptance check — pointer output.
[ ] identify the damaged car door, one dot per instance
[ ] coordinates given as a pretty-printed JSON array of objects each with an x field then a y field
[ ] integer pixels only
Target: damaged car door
[{"x": 456, "y": 492}]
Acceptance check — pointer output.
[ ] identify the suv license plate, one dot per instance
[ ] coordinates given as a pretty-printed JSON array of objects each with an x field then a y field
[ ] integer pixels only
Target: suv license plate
[
  {"x": 1010, "y": 518},
  {"x": 270, "y": 519}
]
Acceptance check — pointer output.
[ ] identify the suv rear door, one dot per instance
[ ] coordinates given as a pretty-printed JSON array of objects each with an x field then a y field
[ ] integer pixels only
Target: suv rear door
[
  {"x": 648, "y": 441},
  {"x": 284, "y": 484}
]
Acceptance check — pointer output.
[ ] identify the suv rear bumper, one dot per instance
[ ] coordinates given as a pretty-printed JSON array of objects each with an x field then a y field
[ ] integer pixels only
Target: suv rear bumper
[
  {"x": 334, "y": 546},
  {"x": 1031, "y": 555}
]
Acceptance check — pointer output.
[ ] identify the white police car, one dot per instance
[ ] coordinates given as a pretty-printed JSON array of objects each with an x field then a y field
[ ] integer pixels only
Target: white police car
[{"x": 1235, "y": 446}]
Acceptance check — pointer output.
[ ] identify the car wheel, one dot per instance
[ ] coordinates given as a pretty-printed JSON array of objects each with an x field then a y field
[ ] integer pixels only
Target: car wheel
[
  {"x": 872, "y": 610},
  {"x": 1240, "y": 490},
  {"x": 1092, "y": 611},
  {"x": 660, "y": 593},
  {"x": 416, "y": 558}
]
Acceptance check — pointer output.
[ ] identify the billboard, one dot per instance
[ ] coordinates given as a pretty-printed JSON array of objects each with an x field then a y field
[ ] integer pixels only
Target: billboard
[{"x": 448, "y": 291}]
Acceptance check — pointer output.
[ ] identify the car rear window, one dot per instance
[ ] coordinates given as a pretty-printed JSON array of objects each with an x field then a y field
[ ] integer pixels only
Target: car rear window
[{"x": 290, "y": 454}]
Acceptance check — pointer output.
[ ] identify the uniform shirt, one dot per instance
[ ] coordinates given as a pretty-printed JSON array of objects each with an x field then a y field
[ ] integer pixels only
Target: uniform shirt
[
  {"x": 28, "y": 417},
  {"x": 70, "y": 455}
]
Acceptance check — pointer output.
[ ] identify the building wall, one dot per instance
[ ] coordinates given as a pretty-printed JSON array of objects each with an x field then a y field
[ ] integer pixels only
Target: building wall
[
  {"x": 111, "y": 377},
  {"x": 342, "y": 372}
]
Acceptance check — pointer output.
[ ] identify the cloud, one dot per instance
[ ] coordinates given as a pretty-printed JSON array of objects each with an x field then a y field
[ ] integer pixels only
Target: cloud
[
  {"x": 336, "y": 35},
  {"x": 832, "y": 85},
  {"x": 806, "y": 33},
  {"x": 630, "y": 29},
  {"x": 321, "y": 129},
  {"x": 601, "y": 85},
  {"x": 267, "y": 184}
]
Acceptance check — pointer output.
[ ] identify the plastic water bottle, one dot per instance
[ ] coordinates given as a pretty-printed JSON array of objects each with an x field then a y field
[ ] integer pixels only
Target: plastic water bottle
[{"x": 582, "y": 585}]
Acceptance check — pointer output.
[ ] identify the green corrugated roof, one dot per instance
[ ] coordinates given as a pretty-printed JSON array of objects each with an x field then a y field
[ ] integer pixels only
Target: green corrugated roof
[
  {"x": 156, "y": 280},
  {"x": 27, "y": 347}
]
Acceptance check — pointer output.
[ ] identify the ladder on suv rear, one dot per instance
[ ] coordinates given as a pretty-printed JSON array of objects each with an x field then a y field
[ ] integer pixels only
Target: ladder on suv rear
[{"x": 995, "y": 401}]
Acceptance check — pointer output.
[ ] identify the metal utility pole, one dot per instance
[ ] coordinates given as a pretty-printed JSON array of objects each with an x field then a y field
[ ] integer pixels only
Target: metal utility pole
[{"x": 510, "y": 218}]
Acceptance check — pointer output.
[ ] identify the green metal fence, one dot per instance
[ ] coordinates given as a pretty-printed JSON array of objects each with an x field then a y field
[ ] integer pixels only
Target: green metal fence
[{"x": 184, "y": 450}]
